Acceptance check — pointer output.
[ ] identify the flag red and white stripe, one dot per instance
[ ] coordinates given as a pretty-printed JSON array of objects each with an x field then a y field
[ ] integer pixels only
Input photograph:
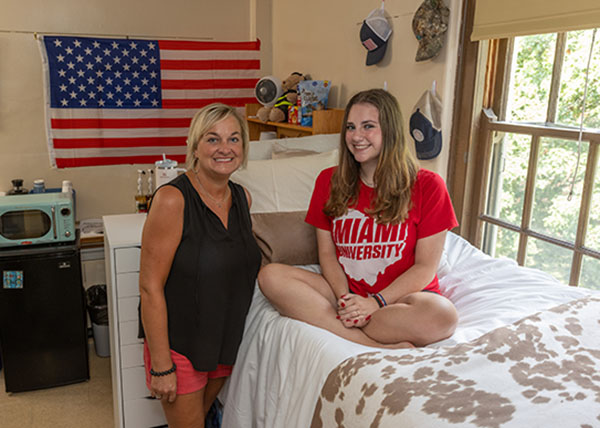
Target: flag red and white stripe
[{"x": 123, "y": 101}]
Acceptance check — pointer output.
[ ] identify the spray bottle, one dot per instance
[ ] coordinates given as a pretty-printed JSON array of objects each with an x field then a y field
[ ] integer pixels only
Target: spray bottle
[
  {"x": 150, "y": 187},
  {"x": 141, "y": 202}
]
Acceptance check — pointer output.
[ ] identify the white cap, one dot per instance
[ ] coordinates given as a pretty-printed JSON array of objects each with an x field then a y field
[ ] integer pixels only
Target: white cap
[
  {"x": 166, "y": 164},
  {"x": 379, "y": 24}
]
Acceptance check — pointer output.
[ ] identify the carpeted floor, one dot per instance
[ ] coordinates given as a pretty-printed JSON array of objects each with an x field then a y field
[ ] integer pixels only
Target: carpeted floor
[{"x": 81, "y": 405}]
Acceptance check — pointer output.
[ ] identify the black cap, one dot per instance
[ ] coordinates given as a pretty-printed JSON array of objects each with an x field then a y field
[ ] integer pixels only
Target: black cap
[{"x": 374, "y": 35}]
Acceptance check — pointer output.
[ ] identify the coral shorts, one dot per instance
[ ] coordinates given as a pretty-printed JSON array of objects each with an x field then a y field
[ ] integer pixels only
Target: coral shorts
[{"x": 188, "y": 379}]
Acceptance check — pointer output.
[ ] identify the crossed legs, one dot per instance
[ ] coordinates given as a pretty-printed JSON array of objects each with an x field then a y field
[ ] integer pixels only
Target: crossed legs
[{"x": 419, "y": 318}]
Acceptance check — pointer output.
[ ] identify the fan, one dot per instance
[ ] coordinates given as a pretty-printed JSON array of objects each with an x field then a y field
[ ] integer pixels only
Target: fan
[{"x": 267, "y": 90}]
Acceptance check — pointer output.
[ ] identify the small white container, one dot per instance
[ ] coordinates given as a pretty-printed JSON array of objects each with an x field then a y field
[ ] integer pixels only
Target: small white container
[
  {"x": 67, "y": 186},
  {"x": 39, "y": 186},
  {"x": 165, "y": 171}
]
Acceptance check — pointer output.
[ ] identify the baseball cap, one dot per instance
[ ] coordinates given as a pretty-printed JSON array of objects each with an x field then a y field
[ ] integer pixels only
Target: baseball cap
[
  {"x": 429, "y": 24},
  {"x": 374, "y": 35},
  {"x": 426, "y": 125}
]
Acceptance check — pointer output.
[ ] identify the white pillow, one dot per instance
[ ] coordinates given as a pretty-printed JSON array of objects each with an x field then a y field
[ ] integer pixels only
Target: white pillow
[
  {"x": 283, "y": 185},
  {"x": 281, "y": 151},
  {"x": 319, "y": 143}
]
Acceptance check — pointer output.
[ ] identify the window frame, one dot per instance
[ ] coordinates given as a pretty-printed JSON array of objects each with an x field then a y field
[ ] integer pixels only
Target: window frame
[{"x": 483, "y": 73}]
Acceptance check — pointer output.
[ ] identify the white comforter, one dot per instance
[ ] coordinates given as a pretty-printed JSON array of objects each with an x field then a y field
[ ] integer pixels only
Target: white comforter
[{"x": 282, "y": 364}]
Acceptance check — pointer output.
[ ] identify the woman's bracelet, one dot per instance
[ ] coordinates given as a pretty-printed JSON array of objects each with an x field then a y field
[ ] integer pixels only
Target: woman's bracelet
[
  {"x": 166, "y": 372},
  {"x": 379, "y": 299}
]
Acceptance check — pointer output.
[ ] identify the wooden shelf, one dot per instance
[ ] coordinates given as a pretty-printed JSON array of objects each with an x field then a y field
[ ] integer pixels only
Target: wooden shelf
[{"x": 324, "y": 122}]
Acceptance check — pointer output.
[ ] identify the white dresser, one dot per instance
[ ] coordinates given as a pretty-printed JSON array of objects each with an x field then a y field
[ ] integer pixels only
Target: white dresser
[{"x": 133, "y": 406}]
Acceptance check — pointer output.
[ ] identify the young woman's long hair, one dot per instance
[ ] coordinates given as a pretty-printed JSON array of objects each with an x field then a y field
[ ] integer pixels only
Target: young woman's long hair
[{"x": 396, "y": 170}]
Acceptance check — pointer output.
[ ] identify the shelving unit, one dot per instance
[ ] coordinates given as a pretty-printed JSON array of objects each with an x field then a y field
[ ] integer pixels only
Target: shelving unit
[{"x": 324, "y": 122}]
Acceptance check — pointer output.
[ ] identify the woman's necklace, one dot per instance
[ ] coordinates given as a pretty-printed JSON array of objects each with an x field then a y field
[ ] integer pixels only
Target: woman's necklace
[
  {"x": 367, "y": 182},
  {"x": 219, "y": 202}
]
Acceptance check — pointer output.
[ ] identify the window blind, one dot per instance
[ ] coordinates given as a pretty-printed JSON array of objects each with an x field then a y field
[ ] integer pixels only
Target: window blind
[{"x": 509, "y": 18}]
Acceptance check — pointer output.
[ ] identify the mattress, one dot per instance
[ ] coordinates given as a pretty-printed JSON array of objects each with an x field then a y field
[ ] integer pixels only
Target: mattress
[{"x": 283, "y": 364}]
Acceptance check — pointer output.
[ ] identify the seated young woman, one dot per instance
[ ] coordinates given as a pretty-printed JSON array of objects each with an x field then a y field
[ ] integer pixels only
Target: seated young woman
[{"x": 381, "y": 224}]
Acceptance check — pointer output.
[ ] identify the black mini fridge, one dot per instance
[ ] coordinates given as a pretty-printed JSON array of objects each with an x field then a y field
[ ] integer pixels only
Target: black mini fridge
[{"x": 43, "y": 334}]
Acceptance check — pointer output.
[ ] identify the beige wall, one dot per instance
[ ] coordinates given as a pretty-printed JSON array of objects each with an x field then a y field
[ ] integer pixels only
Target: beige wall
[
  {"x": 316, "y": 37},
  {"x": 321, "y": 38},
  {"x": 23, "y": 149}
]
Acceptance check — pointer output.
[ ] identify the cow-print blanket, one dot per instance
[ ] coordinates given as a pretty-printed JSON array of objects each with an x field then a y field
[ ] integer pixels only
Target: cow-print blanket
[{"x": 542, "y": 371}]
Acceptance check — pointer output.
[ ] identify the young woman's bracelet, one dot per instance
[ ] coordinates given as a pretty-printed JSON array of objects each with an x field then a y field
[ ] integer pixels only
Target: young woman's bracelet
[
  {"x": 379, "y": 299},
  {"x": 166, "y": 372}
]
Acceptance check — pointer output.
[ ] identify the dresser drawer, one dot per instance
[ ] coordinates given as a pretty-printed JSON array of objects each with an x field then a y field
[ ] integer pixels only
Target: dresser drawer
[
  {"x": 128, "y": 332},
  {"x": 143, "y": 413},
  {"x": 127, "y": 259},
  {"x": 134, "y": 383},
  {"x": 128, "y": 284},
  {"x": 128, "y": 308},
  {"x": 132, "y": 355}
]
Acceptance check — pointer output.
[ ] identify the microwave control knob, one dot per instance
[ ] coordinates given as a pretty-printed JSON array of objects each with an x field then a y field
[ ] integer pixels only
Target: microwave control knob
[
  {"x": 67, "y": 233},
  {"x": 65, "y": 211}
]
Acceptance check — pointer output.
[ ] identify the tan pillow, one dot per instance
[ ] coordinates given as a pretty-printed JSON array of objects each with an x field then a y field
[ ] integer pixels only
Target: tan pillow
[
  {"x": 280, "y": 151},
  {"x": 284, "y": 237}
]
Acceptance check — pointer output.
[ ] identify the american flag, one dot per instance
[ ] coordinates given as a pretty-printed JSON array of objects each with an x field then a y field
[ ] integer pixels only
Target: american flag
[{"x": 124, "y": 101}]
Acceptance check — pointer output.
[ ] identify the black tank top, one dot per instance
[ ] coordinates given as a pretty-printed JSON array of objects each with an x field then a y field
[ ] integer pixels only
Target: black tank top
[{"x": 211, "y": 282}]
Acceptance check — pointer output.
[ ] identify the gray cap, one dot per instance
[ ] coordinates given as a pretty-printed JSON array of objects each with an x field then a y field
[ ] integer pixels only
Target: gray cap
[
  {"x": 426, "y": 125},
  {"x": 429, "y": 26}
]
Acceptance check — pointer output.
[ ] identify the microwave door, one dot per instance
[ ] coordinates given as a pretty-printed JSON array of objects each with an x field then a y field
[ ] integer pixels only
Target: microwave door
[{"x": 26, "y": 224}]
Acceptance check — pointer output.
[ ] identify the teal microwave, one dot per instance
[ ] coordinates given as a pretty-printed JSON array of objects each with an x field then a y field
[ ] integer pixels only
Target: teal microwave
[{"x": 36, "y": 218}]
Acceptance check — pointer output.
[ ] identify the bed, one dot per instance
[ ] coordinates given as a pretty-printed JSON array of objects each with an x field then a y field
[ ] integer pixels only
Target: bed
[{"x": 526, "y": 351}]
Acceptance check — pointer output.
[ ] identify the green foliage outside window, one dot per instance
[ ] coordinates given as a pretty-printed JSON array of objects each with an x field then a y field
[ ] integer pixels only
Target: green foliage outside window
[{"x": 554, "y": 213}]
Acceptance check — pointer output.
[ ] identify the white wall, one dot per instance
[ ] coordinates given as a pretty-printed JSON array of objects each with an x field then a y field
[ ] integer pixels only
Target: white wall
[
  {"x": 321, "y": 38},
  {"x": 23, "y": 149}
]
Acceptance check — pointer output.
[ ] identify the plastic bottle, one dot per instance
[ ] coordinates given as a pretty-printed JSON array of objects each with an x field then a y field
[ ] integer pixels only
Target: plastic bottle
[
  {"x": 141, "y": 201},
  {"x": 150, "y": 187},
  {"x": 67, "y": 186}
]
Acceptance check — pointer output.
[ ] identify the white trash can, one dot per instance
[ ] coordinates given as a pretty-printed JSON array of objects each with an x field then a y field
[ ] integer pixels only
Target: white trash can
[
  {"x": 98, "y": 310},
  {"x": 101, "y": 340}
]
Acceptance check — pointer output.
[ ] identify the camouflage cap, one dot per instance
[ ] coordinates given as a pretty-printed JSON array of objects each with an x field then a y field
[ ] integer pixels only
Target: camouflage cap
[{"x": 429, "y": 26}]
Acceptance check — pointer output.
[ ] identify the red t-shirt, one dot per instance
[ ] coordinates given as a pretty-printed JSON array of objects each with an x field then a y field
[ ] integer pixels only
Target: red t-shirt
[{"x": 373, "y": 255}]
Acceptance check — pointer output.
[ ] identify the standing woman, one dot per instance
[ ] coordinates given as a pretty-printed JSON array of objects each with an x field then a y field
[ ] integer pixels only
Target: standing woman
[
  {"x": 198, "y": 267},
  {"x": 381, "y": 226}
]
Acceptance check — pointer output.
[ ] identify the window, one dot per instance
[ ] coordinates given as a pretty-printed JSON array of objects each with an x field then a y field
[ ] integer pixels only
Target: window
[{"x": 541, "y": 199}]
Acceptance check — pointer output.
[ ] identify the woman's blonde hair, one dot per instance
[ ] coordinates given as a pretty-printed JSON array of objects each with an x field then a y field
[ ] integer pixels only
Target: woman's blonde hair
[
  {"x": 205, "y": 119},
  {"x": 396, "y": 169}
]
